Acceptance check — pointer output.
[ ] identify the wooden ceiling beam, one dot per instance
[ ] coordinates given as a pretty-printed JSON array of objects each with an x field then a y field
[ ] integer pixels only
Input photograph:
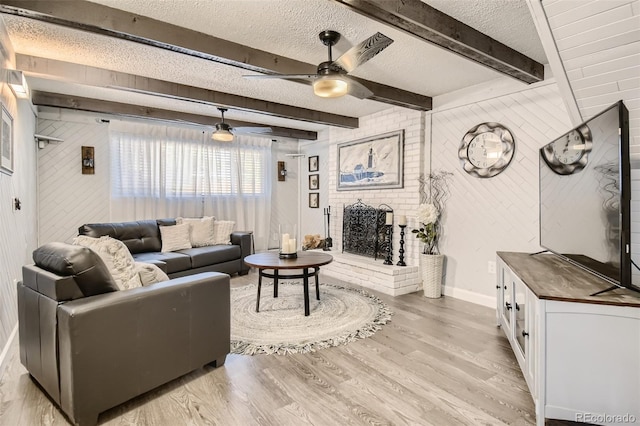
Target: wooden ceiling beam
[
  {"x": 423, "y": 21},
  {"x": 99, "y": 77},
  {"x": 137, "y": 111},
  {"x": 99, "y": 19}
]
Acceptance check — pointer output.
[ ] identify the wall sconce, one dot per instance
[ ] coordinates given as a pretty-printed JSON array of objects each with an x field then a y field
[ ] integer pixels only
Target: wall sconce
[
  {"x": 282, "y": 171},
  {"x": 18, "y": 83},
  {"x": 88, "y": 160}
]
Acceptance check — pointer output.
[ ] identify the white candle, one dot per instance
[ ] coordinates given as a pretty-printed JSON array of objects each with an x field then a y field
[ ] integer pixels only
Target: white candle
[
  {"x": 292, "y": 245},
  {"x": 389, "y": 220},
  {"x": 402, "y": 220},
  {"x": 285, "y": 243}
]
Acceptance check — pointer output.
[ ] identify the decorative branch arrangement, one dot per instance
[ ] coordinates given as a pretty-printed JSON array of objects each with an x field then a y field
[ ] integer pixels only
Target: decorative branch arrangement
[{"x": 434, "y": 191}]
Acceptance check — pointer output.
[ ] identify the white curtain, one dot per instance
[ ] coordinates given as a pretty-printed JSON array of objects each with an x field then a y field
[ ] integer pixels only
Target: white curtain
[{"x": 163, "y": 172}]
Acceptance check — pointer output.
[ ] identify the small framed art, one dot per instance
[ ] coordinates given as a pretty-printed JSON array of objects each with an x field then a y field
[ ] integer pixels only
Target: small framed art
[
  {"x": 314, "y": 181},
  {"x": 314, "y": 200},
  {"x": 88, "y": 160},
  {"x": 313, "y": 163}
]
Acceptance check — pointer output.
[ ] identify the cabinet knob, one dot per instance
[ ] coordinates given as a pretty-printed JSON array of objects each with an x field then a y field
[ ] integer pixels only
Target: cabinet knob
[
  {"x": 498, "y": 287},
  {"x": 525, "y": 334},
  {"x": 517, "y": 307},
  {"x": 508, "y": 305}
]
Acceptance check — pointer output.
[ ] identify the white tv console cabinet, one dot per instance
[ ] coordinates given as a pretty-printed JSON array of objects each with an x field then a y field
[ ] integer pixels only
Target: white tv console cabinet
[{"x": 579, "y": 354}]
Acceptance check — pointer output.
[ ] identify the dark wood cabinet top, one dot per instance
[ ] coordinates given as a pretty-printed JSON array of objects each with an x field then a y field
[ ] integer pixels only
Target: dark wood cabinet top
[
  {"x": 550, "y": 277},
  {"x": 305, "y": 259}
]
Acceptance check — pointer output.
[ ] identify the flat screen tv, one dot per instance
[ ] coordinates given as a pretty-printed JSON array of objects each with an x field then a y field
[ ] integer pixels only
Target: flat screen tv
[{"x": 585, "y": 196}]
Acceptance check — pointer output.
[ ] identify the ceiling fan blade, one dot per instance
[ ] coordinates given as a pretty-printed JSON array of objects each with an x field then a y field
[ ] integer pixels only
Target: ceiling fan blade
[
  {"x": 251, "y": 130},
  {"x": 284, "y": 76},
  {"x": 362, "y": 52},
  {"x": 358, "y": 90}
]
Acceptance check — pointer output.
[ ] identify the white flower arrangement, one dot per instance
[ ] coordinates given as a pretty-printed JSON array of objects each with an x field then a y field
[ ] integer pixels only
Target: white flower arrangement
[
  {"x": 427, "y": 233},
  {"x": 427, "y": 213}
]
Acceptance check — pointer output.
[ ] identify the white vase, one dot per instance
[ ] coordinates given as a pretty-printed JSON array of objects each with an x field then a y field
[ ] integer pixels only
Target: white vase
[{"x": 431, "y": 272}]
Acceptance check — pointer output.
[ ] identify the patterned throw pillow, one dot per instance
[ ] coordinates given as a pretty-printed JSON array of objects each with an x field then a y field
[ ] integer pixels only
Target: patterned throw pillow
[
  {"x": 150, "y": 273},
  {"x": 115, "y": 254},
  {"x": 202, "y": 233},
  {"x": 222, "y": 230},
  {"x": 175, "y": 237}
]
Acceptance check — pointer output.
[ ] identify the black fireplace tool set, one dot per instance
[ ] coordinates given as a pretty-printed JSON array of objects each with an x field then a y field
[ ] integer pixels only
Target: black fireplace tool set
[{"x": 328, "y": 243}]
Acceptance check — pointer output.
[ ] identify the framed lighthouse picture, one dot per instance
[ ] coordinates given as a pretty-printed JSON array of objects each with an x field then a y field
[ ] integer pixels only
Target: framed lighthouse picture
[{"x": 371, "y": 163}]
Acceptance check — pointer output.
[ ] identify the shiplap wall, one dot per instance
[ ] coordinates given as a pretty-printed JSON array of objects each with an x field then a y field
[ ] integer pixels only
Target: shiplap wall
[
  {"x": 18, "y": 236},
  {"x": 68, "y": 198},
  {"x": 500, "y": 213},
  {"x": 284, "y": 197},
  {"x": 599, "y": 44}
]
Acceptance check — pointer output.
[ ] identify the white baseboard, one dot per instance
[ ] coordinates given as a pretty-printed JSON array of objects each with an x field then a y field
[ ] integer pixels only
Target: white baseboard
[
  {"x": 5, "y": 350},
  {"x": 470, "y": 296}
]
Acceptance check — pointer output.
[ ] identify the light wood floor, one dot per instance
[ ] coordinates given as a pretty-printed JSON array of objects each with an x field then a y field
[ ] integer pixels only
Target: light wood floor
[{"x": 438, "y": 362}]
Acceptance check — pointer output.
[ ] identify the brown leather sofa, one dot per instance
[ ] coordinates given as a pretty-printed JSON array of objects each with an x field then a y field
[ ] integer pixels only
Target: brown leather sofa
[
  {"x": 92, "y": 347},
  {"x": 142, "y": 238}
]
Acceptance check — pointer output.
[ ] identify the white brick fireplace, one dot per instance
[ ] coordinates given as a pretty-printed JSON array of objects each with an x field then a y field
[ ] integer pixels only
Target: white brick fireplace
[{"x": 365, "y": 271}]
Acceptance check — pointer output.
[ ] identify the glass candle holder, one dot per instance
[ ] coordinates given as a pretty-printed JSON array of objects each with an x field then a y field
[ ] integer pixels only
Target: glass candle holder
[{"x": 288, "y": 241}]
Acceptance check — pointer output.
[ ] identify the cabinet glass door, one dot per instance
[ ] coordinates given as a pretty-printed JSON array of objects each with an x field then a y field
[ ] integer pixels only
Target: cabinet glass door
[
  {"x": 520, "y": 310},
  {"x": 507, "y": 297}
]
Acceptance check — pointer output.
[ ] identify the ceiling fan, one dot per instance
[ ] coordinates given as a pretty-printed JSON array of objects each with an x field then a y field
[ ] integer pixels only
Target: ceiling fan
[
  {"x": 331, "y": 80},
  {"x": 224, "y": 132}
]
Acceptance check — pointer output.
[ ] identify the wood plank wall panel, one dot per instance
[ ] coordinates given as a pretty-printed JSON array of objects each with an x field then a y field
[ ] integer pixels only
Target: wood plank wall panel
[
  {"x": 18, "y": 236},
  {"x": 284, "y": 195},
  {"x": 18, "y": 228},
  {"x": 599, "y": 44},
  {"x": 67, "y": 197},
  {"x": 483, "y": 216}
]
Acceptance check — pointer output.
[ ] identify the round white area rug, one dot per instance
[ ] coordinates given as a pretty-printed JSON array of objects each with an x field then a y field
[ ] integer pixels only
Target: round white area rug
[{"x": 342, "y": 315}]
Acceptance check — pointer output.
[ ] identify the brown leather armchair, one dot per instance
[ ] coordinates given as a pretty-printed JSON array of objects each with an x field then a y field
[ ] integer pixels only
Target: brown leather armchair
[{"x": 92, "y": 347}]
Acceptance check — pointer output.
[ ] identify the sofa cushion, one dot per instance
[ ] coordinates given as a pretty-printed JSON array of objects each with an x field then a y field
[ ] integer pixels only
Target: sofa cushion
[
  {"x": 175, "y": 261},
  {"x": 175, "y": 237},
  {"x": 222, "y": 230},
  {"x": 150, "y": 273},
  {"x": 211, "y": 255},
  {"x": 201, "y": 232},
  {"x": 139, "y": 236},
  {"x": 89, "y": 271},
  {"x": 115, "y": 254}
]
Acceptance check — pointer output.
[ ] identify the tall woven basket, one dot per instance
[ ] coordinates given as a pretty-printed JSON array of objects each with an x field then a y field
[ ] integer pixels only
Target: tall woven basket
[{"x": 431, "y": 272}]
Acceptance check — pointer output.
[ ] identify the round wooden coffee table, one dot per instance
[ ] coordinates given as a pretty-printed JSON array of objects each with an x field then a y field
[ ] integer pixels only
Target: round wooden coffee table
[{"x": 308, "y": 261}]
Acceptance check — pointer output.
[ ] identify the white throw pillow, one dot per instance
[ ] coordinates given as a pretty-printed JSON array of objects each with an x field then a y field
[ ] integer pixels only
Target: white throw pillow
[
  {"x": 222, "y": 230},
  {"x": 201, "y": 230},
  {"x": 175, "y": 237},
  {"x": 116, "y": 256},
  {"x": 150, "y": 273}
]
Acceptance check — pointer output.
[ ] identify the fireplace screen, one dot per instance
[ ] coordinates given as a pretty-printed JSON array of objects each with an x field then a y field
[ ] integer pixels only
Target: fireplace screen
[{"x": 364, "y": 231}]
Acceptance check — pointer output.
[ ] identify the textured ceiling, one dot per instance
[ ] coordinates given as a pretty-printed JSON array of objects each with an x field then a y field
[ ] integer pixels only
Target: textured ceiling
[{"x": 287, "y": 28}]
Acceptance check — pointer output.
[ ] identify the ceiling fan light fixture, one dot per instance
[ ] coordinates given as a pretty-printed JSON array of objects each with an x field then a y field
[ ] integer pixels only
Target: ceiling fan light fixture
[
  {"x": 222, "y": 133},
  {"x": 330, "y": 87}
]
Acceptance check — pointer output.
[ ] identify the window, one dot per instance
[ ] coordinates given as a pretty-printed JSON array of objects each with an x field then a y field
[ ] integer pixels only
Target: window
[{"x": 174, "y": 167}]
